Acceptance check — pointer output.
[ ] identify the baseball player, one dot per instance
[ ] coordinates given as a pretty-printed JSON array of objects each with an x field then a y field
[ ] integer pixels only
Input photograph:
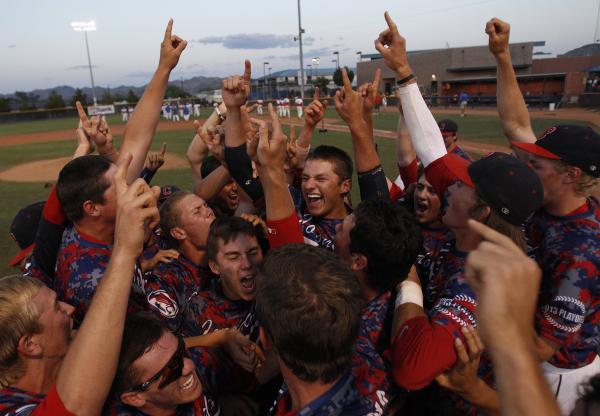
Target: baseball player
[
  {"x": 259, "y": 108},
  {"x": 299, "y": 106},
  {"x": 286, "y": 107}
]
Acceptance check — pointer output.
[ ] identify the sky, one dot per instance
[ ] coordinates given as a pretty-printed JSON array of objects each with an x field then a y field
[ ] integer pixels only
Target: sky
[{"x": 40, "y": 50}]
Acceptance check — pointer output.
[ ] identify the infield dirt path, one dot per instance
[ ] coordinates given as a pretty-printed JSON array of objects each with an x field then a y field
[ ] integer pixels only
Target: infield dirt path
[{"x": 38, "y": 170}]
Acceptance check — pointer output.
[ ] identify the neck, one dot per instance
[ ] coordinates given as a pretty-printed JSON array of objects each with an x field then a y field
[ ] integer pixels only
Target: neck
[
  {"x": 368, "y": 293},
  {"x": 338, "y": 213},
  {"x": 564, "y": 205},
  {"x": 151, "y": 409},
  {"x": 193, "y": 253},
  {"x": 466, "y": 240},
  {"x": 451, "y": 147},
  {"x": 40, "y": 375},
  {"x": 97, "y": 229},
  {"x": 303, "y": 393}
]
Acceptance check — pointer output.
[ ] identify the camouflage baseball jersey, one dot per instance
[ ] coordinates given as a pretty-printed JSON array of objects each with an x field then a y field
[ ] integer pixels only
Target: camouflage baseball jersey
[
  {"x": 210, "y": 310},
  {"x": 17, "y": 402},
  {"x": 169, "y": 288},
  {"x": 342, "y": 399},
  {"x": 568, "y": 251},
  {"x": 203, "y": 406},
  {"x": 460, "y": 152}
]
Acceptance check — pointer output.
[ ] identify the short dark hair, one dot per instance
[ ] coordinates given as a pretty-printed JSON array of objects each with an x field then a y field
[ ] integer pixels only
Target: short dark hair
[
  {"x": 142, "y": 330},
  {"x": 227, "y": 229},
  {"x": 309, "y": 304},
  {"x": 169, "y": 216},
  {"x": 82, "y": 180},
  {"x": 389, "y": 237},
  {"x": 342, "y": 163}
]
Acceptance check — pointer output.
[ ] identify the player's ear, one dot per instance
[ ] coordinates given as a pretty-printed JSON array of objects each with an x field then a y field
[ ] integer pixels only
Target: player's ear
[
  {"x": 133, "y": 399},
  {"x": 91, "y": 209},
  {"x": 346, "y": 186},
  {"x": 178, "y": 233},
  {"x": 359, "y": 262},
  {"x": 214, "y": 267}
]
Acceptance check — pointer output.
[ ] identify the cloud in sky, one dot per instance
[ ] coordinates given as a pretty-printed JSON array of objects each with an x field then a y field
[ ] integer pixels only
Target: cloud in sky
[
  {"x": 255, "y": 41},
  {"x": 12, "y": 46},
  {"x": 140, "y": 74},
  {"x": 308, "y": 54},
  {"x": 77, "y": 67}
]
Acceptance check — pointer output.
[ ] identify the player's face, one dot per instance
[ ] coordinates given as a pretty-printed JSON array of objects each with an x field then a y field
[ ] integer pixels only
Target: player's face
[
  {"x": 426, "y": 202},
  {"x": 237, "y": 263},
  {"x": 56, "y": 321},
  {"x": 342, "y": 238},
  {"x": 459, "y": 200},
  {"x": 109, "y": 207},
  {"x": 185, "y": 389},
  {"x": 449, "y": 139},
  {"x": 195, "y": 219},
  {"x": 229, "y": 195},
  {"x": 552, "y": 179},
  {"x": 323, "y": 189}
]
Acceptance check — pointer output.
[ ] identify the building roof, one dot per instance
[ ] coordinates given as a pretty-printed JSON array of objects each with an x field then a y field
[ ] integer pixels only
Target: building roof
[
  {"x": 520, "y": 77},
  {"x": 313, "y": 71},
  {"x": 590, "y": 49}
]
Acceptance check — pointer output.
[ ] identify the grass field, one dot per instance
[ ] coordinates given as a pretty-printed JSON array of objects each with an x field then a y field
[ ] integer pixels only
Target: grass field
[{"x": 17, "y": 195}]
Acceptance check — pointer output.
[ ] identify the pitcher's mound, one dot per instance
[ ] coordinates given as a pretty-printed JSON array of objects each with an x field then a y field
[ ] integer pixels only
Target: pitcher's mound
[{"x": 47, "y": 170}]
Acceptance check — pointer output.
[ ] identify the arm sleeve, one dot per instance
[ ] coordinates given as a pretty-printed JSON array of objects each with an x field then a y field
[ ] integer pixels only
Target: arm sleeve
[
  {"x": 396, "y": 192},
  {"x": 240, "y": 168},
  {"x": 373, "y": 184},
  {"x": 48, "y": 239},
  {"x": 408, "y": 174},
  {"x": 285, "y": 231},
  {"x": 52, "y": 405},
  {"x": 424, "y": 131},
  {"x": 147, "y": 175}
]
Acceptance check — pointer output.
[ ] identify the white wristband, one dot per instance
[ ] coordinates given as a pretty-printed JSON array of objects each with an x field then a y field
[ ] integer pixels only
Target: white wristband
[
  {"x": 409, "y": 292},
  {"x": 424, "y": 131}
]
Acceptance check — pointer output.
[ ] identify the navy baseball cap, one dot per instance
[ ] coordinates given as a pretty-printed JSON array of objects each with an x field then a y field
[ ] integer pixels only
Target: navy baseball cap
[
  {"x": 508, "y": 185},
  {"x": 23, "y": 230},
  {"x": 575, "y": 145},
  {"x": 166, "y": 192},
  {"x": 447, "y": 126}
]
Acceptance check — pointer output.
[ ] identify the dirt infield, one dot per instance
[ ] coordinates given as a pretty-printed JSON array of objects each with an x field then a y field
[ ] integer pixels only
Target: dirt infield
[{"x": 42, "y": 170}]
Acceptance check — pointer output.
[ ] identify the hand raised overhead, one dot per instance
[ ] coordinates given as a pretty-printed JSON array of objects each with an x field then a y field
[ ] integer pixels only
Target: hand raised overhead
[
  {"x": 171, "y": 48},
  {"x": 235, "y": 89},
  {"x": 315, "y": 110},
  {"x": 349, "y": 103},
  {"x": 498, "y": 36},
  {"x": 392, "y": 46}
]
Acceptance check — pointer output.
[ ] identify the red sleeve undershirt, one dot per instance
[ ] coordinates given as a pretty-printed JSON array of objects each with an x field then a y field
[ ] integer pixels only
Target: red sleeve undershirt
[
  {"x": 420, "y": 352},
  {"x": 408, "y": 174},
  {"x": 52, "y": 405},
  {"x": 285, "y": 231},
  {"x": 53, "y": 211}
]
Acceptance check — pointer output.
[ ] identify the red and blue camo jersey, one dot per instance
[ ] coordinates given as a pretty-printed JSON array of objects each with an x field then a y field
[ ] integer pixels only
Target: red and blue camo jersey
[
  {"x": 568, "y": 252},
  {"x": 317, "y": 231},
  {"x": 460, "y": 152},
  {"x": 342, "y": 399},
  {"x": 211, "y": 310},
  {"x": 17, "y": 402},
  {"x": 203, "y": 406},
  {"x": 80, "y": 266},
  {"x": 371, "y": 370},
  {"x": 169, "y": 288}
]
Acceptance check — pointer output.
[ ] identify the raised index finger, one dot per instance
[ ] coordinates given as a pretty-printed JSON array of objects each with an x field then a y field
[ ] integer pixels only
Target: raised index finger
[
  {"x": 81, "y": 112},
  {"x": 169, "y": 30},
  {"x": 163, "y": 149},
  {"x": 376, "y": 80},
  {"x": 317, "y": 94},
  {"x": 347, "y": 84},
  {"x": 247, "y": 70},
  {"x": 390, "y": 22}
]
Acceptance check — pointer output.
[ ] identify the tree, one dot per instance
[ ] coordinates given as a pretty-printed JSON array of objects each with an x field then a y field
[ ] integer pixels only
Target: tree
[
  {"x": 131, "y": 97},
  {"x": 55, "y": 100},
  {"x": 26, "y": 101},
  {"x": 175, "y": 91},
  {"x": 4, "y": 105},
  {"x": 79, "y": 96},
  {"x": 337, "y": 76},
  {"x": 322, "y": 83},
  {"x": 107, "y": 97}
]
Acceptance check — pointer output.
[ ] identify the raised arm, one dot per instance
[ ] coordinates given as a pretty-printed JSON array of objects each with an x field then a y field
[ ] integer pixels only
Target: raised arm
[
  {"x": 140, "y": 128},
  {"x": 88, "y": 369},
  {"x": 511, "y": 105}
]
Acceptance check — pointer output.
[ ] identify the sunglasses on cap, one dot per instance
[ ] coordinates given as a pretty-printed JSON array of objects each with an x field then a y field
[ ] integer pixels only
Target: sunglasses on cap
[{"x": 170, "y": 372}]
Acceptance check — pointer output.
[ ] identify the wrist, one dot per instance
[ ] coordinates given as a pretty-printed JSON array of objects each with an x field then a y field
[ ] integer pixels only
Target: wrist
[{"x": 403, "y": 71}]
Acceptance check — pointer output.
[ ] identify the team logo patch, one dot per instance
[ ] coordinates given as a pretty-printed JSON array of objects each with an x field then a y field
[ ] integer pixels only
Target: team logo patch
[{"x": 161, "y": 301}]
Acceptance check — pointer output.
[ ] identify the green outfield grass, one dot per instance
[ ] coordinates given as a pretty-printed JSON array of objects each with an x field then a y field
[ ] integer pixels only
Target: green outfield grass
[{"x": 18, "y": 195}]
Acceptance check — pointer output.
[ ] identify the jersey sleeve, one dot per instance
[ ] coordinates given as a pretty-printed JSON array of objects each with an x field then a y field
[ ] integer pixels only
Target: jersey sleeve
[
  {"x": 162, "y": 296},
  {"x": 285, "y": 231},
  {"x": 409, "y": 174}
]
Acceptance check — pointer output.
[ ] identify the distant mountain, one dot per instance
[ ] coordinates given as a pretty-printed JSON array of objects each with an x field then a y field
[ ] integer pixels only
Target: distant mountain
[{"x": 193, "y": 86}]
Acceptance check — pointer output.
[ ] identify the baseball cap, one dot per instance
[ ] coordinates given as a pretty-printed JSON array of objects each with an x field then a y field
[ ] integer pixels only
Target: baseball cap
[
  {"x": 508, "y": 185},
  {"x": 165, "y": 192},
  {"x": 575, "y": 145},
  {"x": 447, "y": 126},
  {"x": 23, "y": 230}
]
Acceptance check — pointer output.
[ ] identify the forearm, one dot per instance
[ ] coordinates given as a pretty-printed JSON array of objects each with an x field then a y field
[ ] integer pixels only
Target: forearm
[
  {"x": 305, "y": 139},
  {"x": 484, "y": 397},
  {"x": 405, "y": 151},
  {"x": 210, "y": 186},
  {"x": 140, "y": 128},
  {"x": 82, "y": 150},
  {"x": 88, "y": 369},
  {"x": 234, "y": 129},
  {"x": 213, "y": 339},
  {"x": 278, "y": 201},
  {"x": 365, "y": 156},
  {"x": 529, "y": 393},
  {"x": 511, "y": 105},
  {"x": 423, "y": 129}
]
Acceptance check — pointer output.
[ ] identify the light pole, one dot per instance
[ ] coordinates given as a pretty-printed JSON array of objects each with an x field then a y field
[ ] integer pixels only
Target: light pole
[
  {"x": 337, "y": 59},
  {"x": 264, "y": 78},
  {"x": 85, "y": 27},
  {"x": 310, "y": 74},
  {"x": 300, "y": 32},
  {"x": 359, "y": 53}
]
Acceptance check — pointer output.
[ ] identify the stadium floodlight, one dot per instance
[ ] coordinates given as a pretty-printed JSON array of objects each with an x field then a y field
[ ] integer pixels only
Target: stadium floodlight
[
  {"x": 265, "y": 79},
  {"x": 359, "y": 53},
  {"x": 86, "y": 27},
  {"x": 337, "y": 59}
]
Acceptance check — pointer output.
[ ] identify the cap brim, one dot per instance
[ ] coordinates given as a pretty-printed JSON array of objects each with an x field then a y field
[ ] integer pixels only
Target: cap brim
[
  {"x": 459, "y": 168},
  {"x": 18, "y": 258},
  {"x": 535, "y": 149}
]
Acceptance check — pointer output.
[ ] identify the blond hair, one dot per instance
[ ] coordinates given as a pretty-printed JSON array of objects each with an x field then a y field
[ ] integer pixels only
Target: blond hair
[
  {"x": 584, "y": 185},
  {"x": 18, "y": 317}
]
